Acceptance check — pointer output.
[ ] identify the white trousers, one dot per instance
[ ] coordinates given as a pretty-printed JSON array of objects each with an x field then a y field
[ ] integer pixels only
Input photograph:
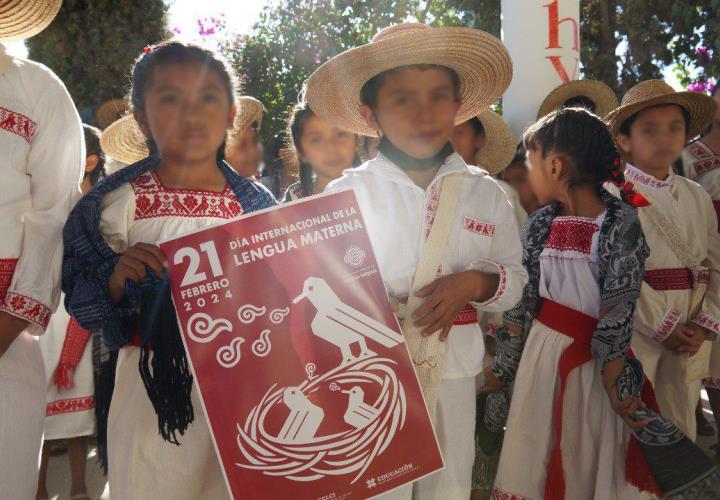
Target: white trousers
[
  {"x": 455, "y": 429},
  {"x": 676, "y": 379},
  {"x": 22, "y": 416}
]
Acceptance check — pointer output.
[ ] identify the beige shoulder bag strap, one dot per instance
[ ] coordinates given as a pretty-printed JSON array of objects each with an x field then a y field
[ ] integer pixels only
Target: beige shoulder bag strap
[{"x": 426, "y": 352}]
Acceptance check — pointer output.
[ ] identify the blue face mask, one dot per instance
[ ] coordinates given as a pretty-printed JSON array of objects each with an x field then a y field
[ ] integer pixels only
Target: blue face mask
[{"x": 407, "y": 162}]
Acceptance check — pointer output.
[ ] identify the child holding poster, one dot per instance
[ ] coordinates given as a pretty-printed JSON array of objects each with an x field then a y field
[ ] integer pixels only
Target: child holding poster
[
  {"x": 412, "y": 84},
  {"x": 679, "y": 306},
  {"x": 321, "y": 151},
  {"x": 115, "y": 278}
]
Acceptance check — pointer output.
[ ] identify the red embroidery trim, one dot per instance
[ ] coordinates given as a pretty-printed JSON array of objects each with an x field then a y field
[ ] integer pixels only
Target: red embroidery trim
[
  {"x": 705, "y": 159},
  {"x": 18, "y": 124},
  {"x": 152, "y": 200},
  {"x": 680, "y": 278},
  {"x": 478, "y": 227},
  {"x": 640, "y": 177},
  {"x": 707, "y": 321},
  {"x": 70, "y": 405},
  {"x": 670, "y": 321},
  {"x": 498, "y": 494},
  {"x": 501, "y": 286},
  {"x": 431, "y": 206},
  {"x": 26, "y": 308},
  {"x": 466, "y": 316},
  {"x": 571, "y": 234},
  {"x": 7, "y": 270}
]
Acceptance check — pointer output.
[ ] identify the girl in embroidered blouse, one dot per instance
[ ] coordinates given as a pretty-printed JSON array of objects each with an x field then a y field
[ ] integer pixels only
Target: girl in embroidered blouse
[
  {"x": 584, "y": 253},
  {"x": 322, "y": 152},
  {"x": 115, "y": 278}
]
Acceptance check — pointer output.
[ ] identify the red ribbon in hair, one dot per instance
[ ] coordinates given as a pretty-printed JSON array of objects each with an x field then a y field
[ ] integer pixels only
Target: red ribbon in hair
[{"x": 627, "y": 189}]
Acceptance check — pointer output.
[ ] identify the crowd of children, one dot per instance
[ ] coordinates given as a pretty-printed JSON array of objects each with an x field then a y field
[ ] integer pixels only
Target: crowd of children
[{"x": 560, "y": 298}]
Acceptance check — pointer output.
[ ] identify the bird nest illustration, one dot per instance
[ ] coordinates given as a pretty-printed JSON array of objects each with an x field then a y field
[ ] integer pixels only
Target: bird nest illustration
[{"x": 373, "y": 426}]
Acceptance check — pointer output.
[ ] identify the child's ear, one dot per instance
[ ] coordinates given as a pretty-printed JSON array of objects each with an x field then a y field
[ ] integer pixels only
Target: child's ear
[
  {"x": 231, "y": 117},
  {"x": 623, "y": 141},
  {"x": 369, "y": 116},
  {"x": 91, "y": 163},
  {"x": 557, "y": 167}
]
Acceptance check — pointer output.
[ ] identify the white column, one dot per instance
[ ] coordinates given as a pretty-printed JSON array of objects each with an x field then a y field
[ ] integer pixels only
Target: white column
[{"x": 543, "y": 37}]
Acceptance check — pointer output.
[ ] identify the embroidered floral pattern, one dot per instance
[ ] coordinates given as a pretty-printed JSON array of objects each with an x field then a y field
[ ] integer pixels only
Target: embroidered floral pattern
[
  {"x": 707, "y": 321},
  {"x": 572, "y": 234},
  {"x": 70, "y": 405},
  {"x": 18, "y": 124},
  {"x": 711, "y": 382},
  {"x": 466, "y": 316},
  {"x": 705, "y": 159},
  {"x": 26, "y": 308},
  {"x": 475, "y": 226},
  {"x": 669, "y": 322},
  {"x": 152, "y": 200},
  {"x": 636, "y": 175}
]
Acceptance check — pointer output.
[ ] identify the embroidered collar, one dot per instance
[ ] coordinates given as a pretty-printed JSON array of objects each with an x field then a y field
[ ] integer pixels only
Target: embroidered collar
[{"x": 639, "y": 177}]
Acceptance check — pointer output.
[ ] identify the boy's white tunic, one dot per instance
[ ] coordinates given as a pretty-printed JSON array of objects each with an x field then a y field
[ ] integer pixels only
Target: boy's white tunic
[
  {"x": 42, "y": 150},
  {"x": 484, "y": 236},
  {"x": 676, "y": 379}
]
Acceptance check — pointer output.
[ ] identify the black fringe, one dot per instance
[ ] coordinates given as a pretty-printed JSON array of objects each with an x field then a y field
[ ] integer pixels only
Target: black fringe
[
  {"x": 104, "y": 364},
  {"x": 167, "y": 376}
]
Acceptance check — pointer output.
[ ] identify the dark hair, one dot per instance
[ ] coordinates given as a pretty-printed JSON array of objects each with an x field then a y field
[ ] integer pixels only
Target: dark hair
[
  {"x": 174, "y": 52},
  {"x": 477, "y": 125},
  {"x": 369, "y": 91},
  {"x": 580, "y": 101},
  {"x": 715, "y": 89},
  {"x": 299, "y": 115},
  {"x": 92, "y": 147},
  {"x": 582, "y": 139},
  {"x": 625, "y": 127}
]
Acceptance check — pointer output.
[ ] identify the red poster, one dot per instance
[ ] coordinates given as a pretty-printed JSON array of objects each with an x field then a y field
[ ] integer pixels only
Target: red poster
[{"x": 303, "y": 372}]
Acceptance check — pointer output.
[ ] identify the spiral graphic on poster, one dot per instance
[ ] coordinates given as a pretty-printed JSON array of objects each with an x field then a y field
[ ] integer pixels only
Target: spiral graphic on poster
[
  {"x": 229, "y": 355},
  {"x": 278, "y": 315},
  {"x": 248, "y": 313},
  {"x": 203, "y": 329},
  {"x": 348, "y": 452},
  {"x": 262, "y": 346}
]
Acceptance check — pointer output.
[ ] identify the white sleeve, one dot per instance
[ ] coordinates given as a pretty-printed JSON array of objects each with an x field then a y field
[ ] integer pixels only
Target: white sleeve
[
  {"x": 55, "y": 165},
  {"x": 505, "y": 260}
]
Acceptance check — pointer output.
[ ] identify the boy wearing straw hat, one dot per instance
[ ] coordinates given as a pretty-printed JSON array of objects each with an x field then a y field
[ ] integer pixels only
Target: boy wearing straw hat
[
  {"x": 41, "y": 141},
  {"x": 444, "y": 232},
  {"x": 679, "y": 305},
  {"x": 592, "y": 95}
]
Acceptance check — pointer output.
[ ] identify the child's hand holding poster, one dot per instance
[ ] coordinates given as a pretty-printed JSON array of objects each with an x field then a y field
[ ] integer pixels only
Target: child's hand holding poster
[{"x": 301, "y": 366}]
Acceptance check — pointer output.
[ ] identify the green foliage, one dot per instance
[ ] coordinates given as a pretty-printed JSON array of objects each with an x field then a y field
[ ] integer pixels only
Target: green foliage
[
  {"x": 293, "y": 37},
  {"x": 91, "y": 45}
]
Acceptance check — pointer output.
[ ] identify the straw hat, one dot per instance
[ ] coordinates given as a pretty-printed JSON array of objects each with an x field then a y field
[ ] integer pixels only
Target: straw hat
[
  {"x": 110, "y": 111},
  {"x": 599, "y": 93},
  {"x": 124, "y": 141},
  {"x": 250, "y": 111},
  {"x": 700, "y": 107},
  {"x": 481, "y": 61},
  {"x": 500, "y": 143},
  {"x": 21, "y": 19}
]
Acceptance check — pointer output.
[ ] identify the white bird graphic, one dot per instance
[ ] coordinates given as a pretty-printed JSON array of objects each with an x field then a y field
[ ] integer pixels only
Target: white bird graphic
[
  {"x": 304, "y": 419},
  {"x": 358, "y": 414},
  {"x": 342, "y": 325}
]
